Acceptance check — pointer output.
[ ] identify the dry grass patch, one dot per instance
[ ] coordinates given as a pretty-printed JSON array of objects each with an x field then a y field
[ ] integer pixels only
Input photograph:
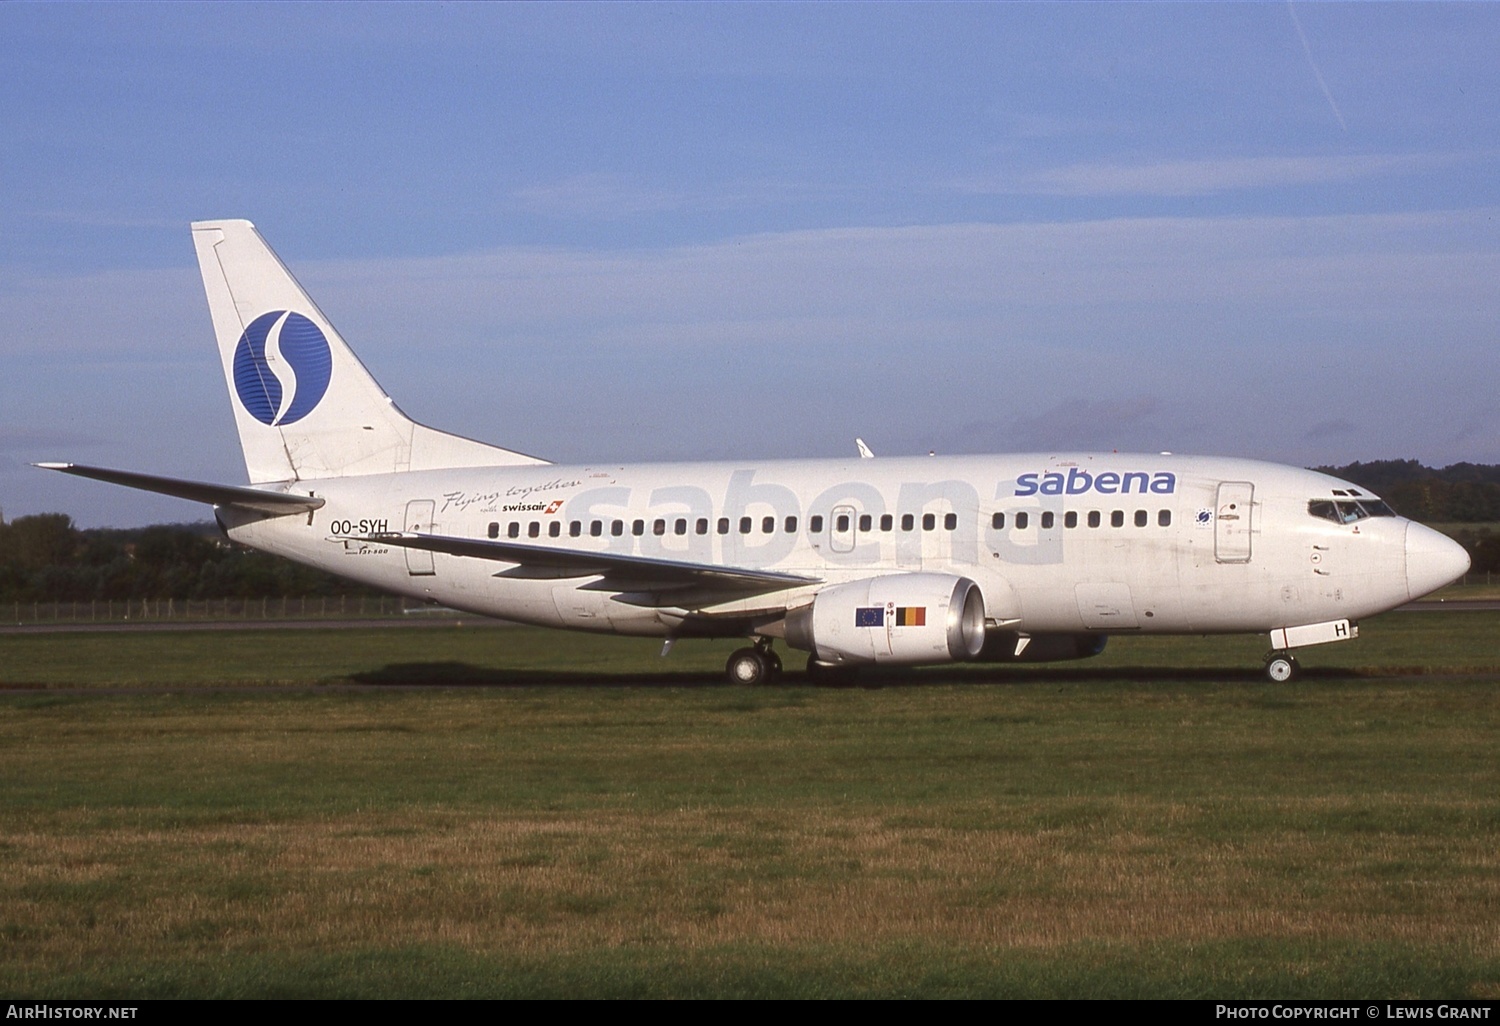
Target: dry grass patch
[
  {"x": 1113, "y": 837},
  {"x": 695, "y": 880}
]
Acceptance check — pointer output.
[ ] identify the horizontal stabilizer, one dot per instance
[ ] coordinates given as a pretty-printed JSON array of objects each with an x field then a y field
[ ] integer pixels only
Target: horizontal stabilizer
[
  {"x": 664, "y": 572},
  {"x": 275, "y": 503}
]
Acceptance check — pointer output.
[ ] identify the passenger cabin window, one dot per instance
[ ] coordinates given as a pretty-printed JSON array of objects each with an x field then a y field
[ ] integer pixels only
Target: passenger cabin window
[
  {"x": 791, "y": 525},
  {"x": 617, "y": 528},
  {"x": 680, "y": 526},
  {"x": 723, "y": 525},
  {"x": 929, "y": 521},
  {"x": 494, "y": 530},
  {"x": 1022, "y": 519},
  {"x": 596, "y": 528},
  {"x": 658, "y": 527},
  {"x": 887, "y": 521},
  {"x": 998, "y": 521},
  {"x": 638, "y": 527},
  {"x": 513, "y": 530},
  {"x": 1094, "y": 518},
  {"x": 1070, "y": 518},
  {"x": 908, "y": 521},
  {"x": 744, "y": 525},
  {"x": 815, "y": 524},
  {"x": 864, "y": 521},
  {"x": 1047, "y": 520},
  {"x": 768, "y": 525},
  {"x": 534, "y": 530},
  {"x": 950, "y": 521},
  {"x": 1164, "y": 518},
  {"x": 1117, "y": 518},
  {"x": 554, "y": 529},
  {"x": 841, "y": 523},
  {"x": 702, "y": 525},
  {"x": 1141, "y": 518}
]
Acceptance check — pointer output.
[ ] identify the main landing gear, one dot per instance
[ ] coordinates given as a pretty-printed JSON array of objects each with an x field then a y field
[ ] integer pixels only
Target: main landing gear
[
  {"x": 1281, "y": 667},
  {"x": 752, "y": 666}
]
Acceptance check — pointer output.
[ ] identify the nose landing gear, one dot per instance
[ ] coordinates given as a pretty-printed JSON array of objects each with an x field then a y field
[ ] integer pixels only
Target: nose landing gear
[
  {"x": 753, "y": 666},
  {"x": 1281, "y": 667}
]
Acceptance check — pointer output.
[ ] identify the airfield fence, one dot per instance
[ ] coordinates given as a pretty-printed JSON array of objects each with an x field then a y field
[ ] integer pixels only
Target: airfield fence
[
  {"x": 320, "y": 607},
  {"x": 310, "y": 607}
]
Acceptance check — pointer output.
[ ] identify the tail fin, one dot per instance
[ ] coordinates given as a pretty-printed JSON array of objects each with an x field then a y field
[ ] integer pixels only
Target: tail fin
[{"x": 304, "y": 404}]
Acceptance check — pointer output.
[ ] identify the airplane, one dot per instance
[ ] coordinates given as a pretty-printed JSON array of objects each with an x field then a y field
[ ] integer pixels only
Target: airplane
[{"x": 866, "y": 561}]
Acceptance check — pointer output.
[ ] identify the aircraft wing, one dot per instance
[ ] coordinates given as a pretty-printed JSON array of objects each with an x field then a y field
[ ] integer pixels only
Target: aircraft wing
[
  {"x": 542, "y": 560},
  {"x": 275, "y": 503}
]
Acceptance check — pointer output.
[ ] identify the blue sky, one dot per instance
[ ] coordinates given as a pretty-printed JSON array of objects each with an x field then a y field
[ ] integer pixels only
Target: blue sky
[{"x": 666, "y": 231}]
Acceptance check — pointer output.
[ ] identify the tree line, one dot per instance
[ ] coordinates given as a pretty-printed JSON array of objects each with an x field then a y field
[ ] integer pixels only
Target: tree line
[
  {"x": 1464, "y": 493},
  {"x": 45, "y": 558},
  {"x": 1464, "y": 498}
]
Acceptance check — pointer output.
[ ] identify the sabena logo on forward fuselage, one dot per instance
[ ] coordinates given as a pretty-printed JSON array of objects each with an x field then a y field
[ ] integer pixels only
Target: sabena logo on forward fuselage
[
  {"x": 281, "y": 367},
  {"x": 1107, "y": 482}
]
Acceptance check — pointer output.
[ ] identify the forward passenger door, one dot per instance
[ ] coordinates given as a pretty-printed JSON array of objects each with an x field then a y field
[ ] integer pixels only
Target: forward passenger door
[{"x": 1233, "y": 521}]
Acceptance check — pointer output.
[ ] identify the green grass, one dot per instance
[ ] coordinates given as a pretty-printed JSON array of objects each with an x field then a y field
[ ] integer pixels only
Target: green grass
[
  {"x": 905, "y": 970},
  {"x": 1154, "y": 823},
  {"x": 1449, "y": 642}
]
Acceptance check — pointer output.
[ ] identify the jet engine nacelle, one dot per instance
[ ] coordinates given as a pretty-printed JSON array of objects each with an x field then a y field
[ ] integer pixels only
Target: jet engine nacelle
[{"x": 899, "y": 618}]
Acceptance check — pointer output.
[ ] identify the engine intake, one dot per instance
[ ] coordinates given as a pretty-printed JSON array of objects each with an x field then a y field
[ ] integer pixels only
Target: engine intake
[{"x": 899, "y": 618}]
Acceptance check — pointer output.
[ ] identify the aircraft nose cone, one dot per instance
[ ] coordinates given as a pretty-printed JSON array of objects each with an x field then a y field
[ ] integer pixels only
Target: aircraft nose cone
[{"x": 1432, "y": 560}]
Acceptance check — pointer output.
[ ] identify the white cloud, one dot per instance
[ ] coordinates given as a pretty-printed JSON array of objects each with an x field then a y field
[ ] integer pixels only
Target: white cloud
[
  {"x": 1235, "y": 335},
  {"x": 602, "y": 196},
  {"x": 1094, "y": 284},
  {"x": 1204, "y": 177},
  {"x": 596, "y": 196}
]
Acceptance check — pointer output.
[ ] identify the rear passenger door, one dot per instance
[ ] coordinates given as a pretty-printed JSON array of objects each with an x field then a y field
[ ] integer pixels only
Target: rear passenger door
[{"x": 419, "y": 514}]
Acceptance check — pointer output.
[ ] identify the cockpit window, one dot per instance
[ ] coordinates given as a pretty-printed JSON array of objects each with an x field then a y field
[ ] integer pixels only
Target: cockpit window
[{"x": 1347, "y": 511}]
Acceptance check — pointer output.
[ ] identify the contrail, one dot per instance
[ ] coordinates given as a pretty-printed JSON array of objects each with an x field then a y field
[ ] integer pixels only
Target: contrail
[{"x": 1314, "y": 65}]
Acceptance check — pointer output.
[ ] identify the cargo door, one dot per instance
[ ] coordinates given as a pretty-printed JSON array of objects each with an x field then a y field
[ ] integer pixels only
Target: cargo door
[{"x": 1106, "y": 607}]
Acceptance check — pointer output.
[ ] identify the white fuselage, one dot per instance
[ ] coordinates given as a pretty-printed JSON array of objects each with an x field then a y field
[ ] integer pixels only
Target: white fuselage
[
  {"x": 1105, "y": 543},
  {"x": 871, "y": 560}
]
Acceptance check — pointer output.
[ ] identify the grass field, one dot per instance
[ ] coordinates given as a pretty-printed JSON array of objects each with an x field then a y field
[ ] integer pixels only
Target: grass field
[{"x": 599, "y": 822}]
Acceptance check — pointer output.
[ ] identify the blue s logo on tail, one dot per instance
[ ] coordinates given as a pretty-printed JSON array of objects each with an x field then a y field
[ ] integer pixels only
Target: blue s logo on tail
[{"x": 284, "y": 386}]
